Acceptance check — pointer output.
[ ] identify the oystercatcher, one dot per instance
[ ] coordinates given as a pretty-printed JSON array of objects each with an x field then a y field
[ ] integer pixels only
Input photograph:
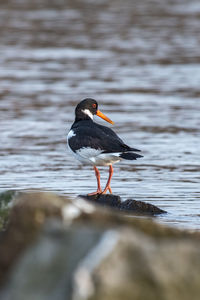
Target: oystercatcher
[{"x": 96, "y": 145}]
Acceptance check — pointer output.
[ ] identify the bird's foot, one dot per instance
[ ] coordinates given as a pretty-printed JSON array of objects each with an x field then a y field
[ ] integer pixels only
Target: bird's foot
[
  {"x": 98, "y": 192},
  {"x": 107, "y": 188}
]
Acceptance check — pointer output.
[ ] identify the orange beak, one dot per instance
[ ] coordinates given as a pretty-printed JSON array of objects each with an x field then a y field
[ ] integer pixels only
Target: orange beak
[{"x": 101, "y": 115}]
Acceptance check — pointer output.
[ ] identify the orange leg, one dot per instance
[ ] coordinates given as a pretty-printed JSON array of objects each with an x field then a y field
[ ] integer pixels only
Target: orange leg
[
  {"x": 109, "y": 180},
  {"x": 99, "y": 190}
]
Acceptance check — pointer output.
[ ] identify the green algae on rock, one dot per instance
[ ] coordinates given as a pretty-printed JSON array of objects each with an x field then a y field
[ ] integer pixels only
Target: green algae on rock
[{"x": 5, "y": 204}]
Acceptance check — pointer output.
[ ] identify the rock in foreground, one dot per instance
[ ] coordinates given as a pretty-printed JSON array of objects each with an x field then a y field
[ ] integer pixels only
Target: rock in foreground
[{"x": 57, "y": 248}]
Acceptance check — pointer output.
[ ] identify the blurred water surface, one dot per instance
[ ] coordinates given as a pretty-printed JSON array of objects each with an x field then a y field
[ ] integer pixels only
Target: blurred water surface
[{"x": 140, "y": 60}]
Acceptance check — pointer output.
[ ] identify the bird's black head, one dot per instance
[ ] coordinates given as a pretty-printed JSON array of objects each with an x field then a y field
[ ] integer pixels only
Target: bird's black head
[{"x": 87, "y": 108}]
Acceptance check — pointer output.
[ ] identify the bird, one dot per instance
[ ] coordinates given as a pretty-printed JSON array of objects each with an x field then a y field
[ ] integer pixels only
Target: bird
[{"x": 97, "y": 145}]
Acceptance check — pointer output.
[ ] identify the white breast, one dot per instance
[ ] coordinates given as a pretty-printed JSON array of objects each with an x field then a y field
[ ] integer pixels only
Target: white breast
[
  {"x": 96, "y": 157},
  {"x": 106, "y": 159},
  {"x": 87, "y": 155},
  {"x": 70, "y": 135}
]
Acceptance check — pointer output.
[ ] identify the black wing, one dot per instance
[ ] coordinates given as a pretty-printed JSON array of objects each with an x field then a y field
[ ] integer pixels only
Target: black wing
[
  {"x": 109, "y": 132},
  {"x": 97, "y": 136}
]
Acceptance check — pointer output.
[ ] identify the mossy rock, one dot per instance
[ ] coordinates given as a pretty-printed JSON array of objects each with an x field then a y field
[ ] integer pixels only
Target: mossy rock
[{"x": 5, "y": 204}]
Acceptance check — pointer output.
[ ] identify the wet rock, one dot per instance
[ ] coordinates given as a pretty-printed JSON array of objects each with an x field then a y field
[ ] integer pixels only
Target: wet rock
[
  {"x": 57, "y": 248},
  {"x": 129, "y": 205},
  {"x": 105, "y": 200},
  {"x": 140, "y": 207}
]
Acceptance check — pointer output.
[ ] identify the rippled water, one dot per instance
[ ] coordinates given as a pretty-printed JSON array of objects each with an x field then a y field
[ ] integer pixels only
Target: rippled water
[{"x": 140, "y": 60}]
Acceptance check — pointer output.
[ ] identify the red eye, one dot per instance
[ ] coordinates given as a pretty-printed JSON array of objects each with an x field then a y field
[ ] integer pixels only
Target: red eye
[{"x": 94, "y": 105}]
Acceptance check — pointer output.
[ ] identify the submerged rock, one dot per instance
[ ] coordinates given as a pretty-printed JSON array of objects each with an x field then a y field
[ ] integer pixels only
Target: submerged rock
[
  {"x": 129, "y": 205},
  {"x": 57, "y": 248}
]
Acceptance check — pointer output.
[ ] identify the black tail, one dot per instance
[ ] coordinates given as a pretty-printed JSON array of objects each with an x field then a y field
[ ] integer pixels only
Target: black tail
[
  {"x": 133, "y": 149},
  {"x": 130, "y": 155},
  {"x": 127, "y": 148}
]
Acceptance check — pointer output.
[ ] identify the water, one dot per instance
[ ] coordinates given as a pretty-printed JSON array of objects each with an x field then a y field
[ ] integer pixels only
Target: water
[{"x": 140, "y": 60}]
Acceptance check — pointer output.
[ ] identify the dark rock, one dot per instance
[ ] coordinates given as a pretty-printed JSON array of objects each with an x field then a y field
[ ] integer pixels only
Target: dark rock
[
  {"x": 140, "y": 207},
  {"x": 130, "y": 205},
  {"x": 105, "y": 200}
]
